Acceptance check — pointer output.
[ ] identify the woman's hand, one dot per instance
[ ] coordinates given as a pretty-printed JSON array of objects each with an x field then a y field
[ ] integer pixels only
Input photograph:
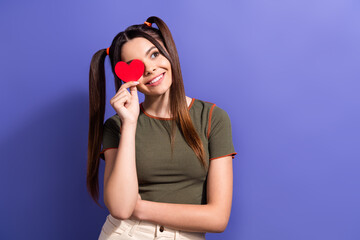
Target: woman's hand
[
  {"x": 136, "y": 213},
  {"x": 126, "y": 104}
]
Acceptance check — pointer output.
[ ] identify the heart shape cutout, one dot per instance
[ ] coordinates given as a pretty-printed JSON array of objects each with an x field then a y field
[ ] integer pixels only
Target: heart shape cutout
[{"x": 131, "y": 72}]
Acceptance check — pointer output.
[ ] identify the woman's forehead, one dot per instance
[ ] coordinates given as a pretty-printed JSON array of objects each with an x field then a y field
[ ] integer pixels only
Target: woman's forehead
[{"x": 136, "y": 47}]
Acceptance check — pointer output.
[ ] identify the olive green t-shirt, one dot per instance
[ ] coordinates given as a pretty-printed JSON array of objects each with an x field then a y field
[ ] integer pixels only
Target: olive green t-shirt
[{"x": 181, "y": 178}]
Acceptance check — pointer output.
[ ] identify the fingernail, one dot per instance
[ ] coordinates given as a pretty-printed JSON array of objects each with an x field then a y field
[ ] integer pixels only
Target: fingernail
[{"x": 136, "y": 82}]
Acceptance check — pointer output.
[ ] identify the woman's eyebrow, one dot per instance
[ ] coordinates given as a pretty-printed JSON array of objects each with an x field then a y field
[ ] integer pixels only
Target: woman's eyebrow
[{"x": 147, "y": 52}]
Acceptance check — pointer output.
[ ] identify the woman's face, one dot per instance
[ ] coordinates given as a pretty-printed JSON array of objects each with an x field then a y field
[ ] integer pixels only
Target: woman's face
[{"x": 157, "y": 78}]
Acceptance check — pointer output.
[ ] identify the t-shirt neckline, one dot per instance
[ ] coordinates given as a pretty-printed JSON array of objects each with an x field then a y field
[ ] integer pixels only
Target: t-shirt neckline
[{"x": 160, "y": 118}]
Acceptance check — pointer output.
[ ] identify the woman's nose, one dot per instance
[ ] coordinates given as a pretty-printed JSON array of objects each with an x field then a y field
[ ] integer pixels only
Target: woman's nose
[{"x": 149, "y": 68}]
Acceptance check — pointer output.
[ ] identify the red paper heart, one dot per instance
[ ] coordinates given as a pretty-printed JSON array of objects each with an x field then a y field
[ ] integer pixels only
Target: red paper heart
[{"x": 131, "y": 72}]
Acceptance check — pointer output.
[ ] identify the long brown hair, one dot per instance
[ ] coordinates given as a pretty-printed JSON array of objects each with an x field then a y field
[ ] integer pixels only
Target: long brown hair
[{"x": 97, "y": 95}]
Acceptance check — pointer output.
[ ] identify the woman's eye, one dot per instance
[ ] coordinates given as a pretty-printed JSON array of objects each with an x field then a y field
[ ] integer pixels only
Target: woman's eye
[{"x": 155, "y": 54}]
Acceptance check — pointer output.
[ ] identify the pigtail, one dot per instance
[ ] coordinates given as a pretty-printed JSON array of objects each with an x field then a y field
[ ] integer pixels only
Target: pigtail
[
  {"x": 178, "y": 104},
  {"x": 97, "y": 98}
]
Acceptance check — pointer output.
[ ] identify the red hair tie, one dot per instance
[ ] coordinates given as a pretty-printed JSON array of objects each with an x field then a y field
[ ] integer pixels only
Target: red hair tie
[
  {"x": 147, "y": 23},
  {"x": 107, "y": 51}
]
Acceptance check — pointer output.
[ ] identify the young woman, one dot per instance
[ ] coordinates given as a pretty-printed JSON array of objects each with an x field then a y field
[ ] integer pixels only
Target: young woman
[{"x": 168, "y": 161}]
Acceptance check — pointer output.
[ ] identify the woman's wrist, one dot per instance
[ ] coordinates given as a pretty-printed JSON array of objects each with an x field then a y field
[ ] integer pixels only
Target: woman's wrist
[
  {"x": 138, "y": 212},
  {"x": 131, "y": 126},
  {"x": 141, "y": 210}
]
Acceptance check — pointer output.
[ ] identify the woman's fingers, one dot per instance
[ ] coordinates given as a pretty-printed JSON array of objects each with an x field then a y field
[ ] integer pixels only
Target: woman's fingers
[
  {"x": 133, "y": 91},
  {"x": 126, "y": 103},
  {"x": 120, "y": 100},
  {"x": 129, "y": 84},
  {"x": 120, "y": 94},
  {"x": 125, "y": 86}
]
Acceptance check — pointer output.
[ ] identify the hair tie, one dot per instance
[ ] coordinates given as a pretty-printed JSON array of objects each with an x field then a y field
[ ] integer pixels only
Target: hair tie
[
  {"x": 147, "y": 23},
  {"x": 107, "y": 50}
]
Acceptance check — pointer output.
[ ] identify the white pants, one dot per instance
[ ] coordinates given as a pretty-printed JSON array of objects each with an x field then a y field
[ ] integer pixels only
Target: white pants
[{"x": 116, "y": 229}]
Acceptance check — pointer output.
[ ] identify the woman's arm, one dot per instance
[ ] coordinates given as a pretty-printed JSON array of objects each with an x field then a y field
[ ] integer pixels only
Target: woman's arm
[
  {"x": 120, "y": 177},
  {"x": 212, "y": 217}
]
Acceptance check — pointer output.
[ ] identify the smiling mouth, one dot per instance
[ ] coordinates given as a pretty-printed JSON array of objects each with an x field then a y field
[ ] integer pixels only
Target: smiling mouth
[{"x": 155, "y": 79}]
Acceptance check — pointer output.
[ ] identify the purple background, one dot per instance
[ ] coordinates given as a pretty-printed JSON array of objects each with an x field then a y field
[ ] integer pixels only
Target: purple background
[{"x": 287, "y": 73}]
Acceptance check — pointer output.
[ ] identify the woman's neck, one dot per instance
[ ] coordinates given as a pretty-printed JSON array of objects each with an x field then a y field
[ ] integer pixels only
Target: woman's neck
[{"x": 159, "y": 106}]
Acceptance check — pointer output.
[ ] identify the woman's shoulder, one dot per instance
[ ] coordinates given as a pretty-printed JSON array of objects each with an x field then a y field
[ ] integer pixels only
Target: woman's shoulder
[
  {"x": 113, "y": 122},
  {"x": 206, "y": 105},
  {"x": 213, "y": 111},
  {"x": 202, "y": 104}
]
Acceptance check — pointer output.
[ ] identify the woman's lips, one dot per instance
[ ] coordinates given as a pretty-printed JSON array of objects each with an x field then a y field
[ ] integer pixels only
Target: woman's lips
[{"x": 157, "y": 82}]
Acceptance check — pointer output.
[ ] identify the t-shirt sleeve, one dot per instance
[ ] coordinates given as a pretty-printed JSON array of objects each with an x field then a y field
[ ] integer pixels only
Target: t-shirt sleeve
[
  {"x": 111, "y": 135},
  {"x": 219, "y": 134}
]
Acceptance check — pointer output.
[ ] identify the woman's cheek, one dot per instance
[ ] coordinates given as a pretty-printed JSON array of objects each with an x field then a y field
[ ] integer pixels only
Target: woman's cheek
[{"x": 164, "y": 61}]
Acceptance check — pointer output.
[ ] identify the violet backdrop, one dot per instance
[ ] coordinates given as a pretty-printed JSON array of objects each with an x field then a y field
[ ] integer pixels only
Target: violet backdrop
[{"x": 287, "y": 73}]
